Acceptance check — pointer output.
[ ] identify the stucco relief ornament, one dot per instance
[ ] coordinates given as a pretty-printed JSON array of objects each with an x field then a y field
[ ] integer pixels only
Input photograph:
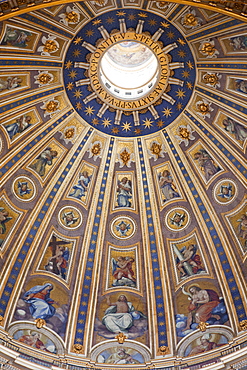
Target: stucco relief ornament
[
  {"x": 156, "y": 150},
  {"x": 243, "y": 325},
  {"x": 1, "y": 319},
  {"x": 125, "y": 157},
  {"x": 162, "y": 5},
  {"x": 40, "y": 323},
  {"x": 204, "y": 108},
  {"x": 50, "y": 45},
  {"x": 95, "y": 150},
  {"x": 190, "y": 20},
  {"x": 71, "y": 16},
  {"x": 43, "y": 78},
  {"x": 202, "y": 326},
  {"x": 68, "y": 134},
  {"x": 99, "y": 2},
  {"x": 78, "y": 348},
  {"x": 184, "y": 134},
  {"x": 121, "y": 338},
  {"x": 207, "y": 48},
  {"x": 50, "y": 107},
  {"x": 163, "y": 350},
  {"x": 212, "y": 79}
]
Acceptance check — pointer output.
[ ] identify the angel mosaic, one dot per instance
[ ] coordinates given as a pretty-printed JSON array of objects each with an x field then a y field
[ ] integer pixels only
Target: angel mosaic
[
  {"x": 242, "y": 229},
  {"x": 23, "y": 188},
  {"x": 58, "y": 257},
  {"x": 18, "y": 126},
  {"x": 122, "y": 228},
  {"x": 188, "y": 260},
  {"x": 167, "y": 186},
  {"x": 122, "y": 271},
  {"x": 8, "y": 83},
  {"x": 205, "y": 163},
  {"x": 44, "y": 160},
  {"x": 16, "y": 37},
  {"x": 4, "y": 218},
  {"x": 124, "y": 192},
  {"x": 238, "y": 131},
  {"x": 238, "y": 42},
  {"x": 80, "y": 189},
  {"x": 225, "y": 191}
]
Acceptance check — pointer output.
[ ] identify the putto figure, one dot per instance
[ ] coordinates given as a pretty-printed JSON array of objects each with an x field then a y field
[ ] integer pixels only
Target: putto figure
[{"x": 124, "y": 192}]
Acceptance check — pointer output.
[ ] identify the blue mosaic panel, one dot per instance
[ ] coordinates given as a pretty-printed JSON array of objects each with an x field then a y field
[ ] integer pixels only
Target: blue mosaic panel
[
  {"x": 13, "y": 275},
  {"x": 226, "y": 267},
  {"x": 230, "y": 157},
  {"x": 160, "y": 310},
  {"x": 31, "y": 145},
  {"x": 167, "y": 112},
  {"x": 80, "y": 327}
]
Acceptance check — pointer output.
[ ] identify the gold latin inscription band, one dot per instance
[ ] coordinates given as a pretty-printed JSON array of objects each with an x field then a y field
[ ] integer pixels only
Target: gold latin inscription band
[{"x": 158, "y": 88}]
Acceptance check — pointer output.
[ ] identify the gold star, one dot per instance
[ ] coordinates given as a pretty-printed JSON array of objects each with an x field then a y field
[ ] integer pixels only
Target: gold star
[
  {"x": 89, "y": 110},
  {"x": 126, "y": 126},
  {"x": 131, "y": 17},
  {"x": 77, "y": 94},
  {"x": 89, "y": 33},
  {"x": 167, "y": 112},
  {"x": 106, "y": 122},
  {"x": 68, "y": 64},
  {"x": 181, "y": 53},
  {"x": 73, "y": 74},
  {"x": 110, "y": 20},
  {"x": 95, "y": 121},
  {"x": 77, "y": 40},
  {"x": 121, "y": 13},
  {"x": 147, "y": 122},
  {"x": 96, "y": 21},
  {"x": 137, "y": 131},
  {"x": 160, "y": 123},
  {"x": 152, "y": 22},
  {"x": 115, "y": 130},
  {"x": 189, "y": 85},
  {"x": 170, "y": 35},
  {"x": 165, "y": 24},
  {"x": 70, "y": 86},
  {"x": 180, "y": 93},
  {"x": 78, "y": 106},
  {"x": 143, "y": 15},
  {"x": 181, "y": 41},
  {"x": 190, "y": 65},
  {"x": 186, "y": 74},
  {"x": 76, "y": 53},
  {"x": 179, "y": 106}
]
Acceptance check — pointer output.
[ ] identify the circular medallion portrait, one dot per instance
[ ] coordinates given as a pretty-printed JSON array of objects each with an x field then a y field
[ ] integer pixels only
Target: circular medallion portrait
[
  {"x": 127, "y": 81},
  {"x": 225, "y": 191},
  {"x": 70, "y": 217},
  {"x": 122, "y": 227},
  {"x": 24, "y": 188},
  {"x": 177, "y": 219}
]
